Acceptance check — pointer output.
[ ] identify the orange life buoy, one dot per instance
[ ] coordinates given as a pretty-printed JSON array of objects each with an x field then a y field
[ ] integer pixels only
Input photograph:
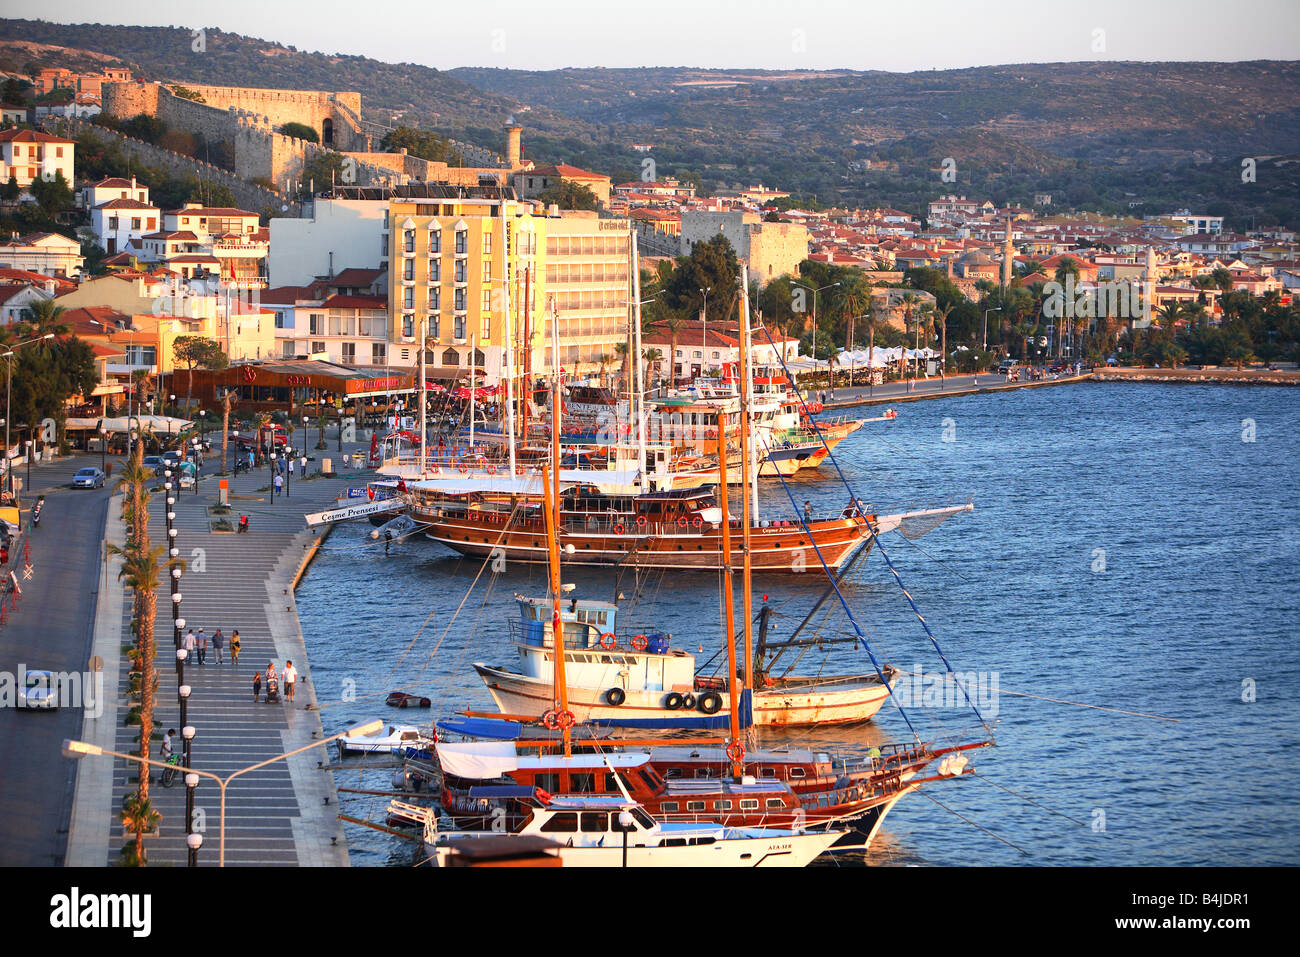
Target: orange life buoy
[
  {"x": 697, "y": 521},
  {"x": 681, "y": 522},
  {"x": 464, "y": 470},
  {"x": 492, "y": 470},
  {"x": 640, "y": 642},
  {"x": 519, "y": 470},
  {"x": 608, "y": 640},
  {"x": 564, "y": 719},
  {"x": 619, "y": 529},
  {"x": 736, "y": 751},
  {"x": 640, "y": 520},
  {"x": 548, "y": 720}
]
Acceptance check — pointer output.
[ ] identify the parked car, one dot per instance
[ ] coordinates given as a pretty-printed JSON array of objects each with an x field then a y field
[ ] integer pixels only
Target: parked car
[
  {"x": 38, "y": 691},
  {"x": 154, "y": 462},
  {"x": 88, "y": 478},
  {"x": 171, "y": 458}
]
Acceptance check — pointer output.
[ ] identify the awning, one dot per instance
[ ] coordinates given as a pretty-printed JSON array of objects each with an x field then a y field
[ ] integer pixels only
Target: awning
[
  {"x": 108, "y": 390},
  {"x": 481, "y": 727},
  {"x": 478, "y": 760}
]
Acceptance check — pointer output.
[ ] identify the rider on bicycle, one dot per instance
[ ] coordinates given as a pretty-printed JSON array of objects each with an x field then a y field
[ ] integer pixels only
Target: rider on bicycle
[{"x": 167, "y": 744}]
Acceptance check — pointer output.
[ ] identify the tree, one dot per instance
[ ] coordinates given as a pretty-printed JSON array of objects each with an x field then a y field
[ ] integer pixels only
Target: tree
[
  {"x": 623, "y": 351},
  {"x": 300, "y": 131},
  {"x": 569, "y": 195},
  {"x": 711, "y": 265},
  {"x": 11, "y": 190},
  {"x": 52, "y": 195},
  {"x": 201, "y": 352},
  {"x": 422, "y": 143},
  {"x": 323, "y": 170},
  {"x": 653, "y": 357}
]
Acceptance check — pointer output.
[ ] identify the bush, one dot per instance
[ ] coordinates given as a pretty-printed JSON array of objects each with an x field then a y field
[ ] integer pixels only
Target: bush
[{"x": 300, "y": 131}]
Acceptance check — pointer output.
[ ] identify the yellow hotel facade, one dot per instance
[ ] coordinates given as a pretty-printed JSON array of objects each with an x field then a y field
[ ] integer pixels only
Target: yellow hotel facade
[{"x": 477, "y": 268}]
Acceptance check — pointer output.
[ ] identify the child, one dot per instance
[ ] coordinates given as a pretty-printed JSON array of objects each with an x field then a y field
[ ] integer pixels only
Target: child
[{"x": 257, "y": 685}]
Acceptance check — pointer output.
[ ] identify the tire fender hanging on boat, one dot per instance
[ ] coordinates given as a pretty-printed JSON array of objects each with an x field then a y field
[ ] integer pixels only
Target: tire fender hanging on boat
[{"x": 615, "y": 696}]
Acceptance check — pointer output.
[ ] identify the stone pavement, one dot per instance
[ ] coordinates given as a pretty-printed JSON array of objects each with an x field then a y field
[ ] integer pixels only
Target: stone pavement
[{"x": 284, "y": 814}]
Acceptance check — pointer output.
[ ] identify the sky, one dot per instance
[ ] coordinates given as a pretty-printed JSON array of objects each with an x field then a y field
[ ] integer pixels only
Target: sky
[{"x": 900, "y": 35}]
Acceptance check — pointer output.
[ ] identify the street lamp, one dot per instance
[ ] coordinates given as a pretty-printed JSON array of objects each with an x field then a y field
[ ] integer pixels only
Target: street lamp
[
  {"x": 81, "y": 749},
  {"x": 274, "y": 473},
  {"x": 814, "y": 332},
  {"x": 986, "y": 325},
  {"x": 704, "y": 335},
  {"x": 103, "y": 448}
]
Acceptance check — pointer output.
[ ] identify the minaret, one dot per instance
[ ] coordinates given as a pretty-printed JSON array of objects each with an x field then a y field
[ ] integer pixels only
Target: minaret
[
  {"x": 1149, "y": 286},
  {"x": 514, "y": 146},
  {"x": 1008, "y": 254}
]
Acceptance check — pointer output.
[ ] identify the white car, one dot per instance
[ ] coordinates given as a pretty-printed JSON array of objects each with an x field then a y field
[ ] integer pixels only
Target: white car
[{"x": 38, "y": 691}]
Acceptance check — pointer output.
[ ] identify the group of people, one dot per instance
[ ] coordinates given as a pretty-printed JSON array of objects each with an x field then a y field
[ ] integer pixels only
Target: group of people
[
  {"x": 272, "y": 679},
  {"x": 197, "y": 646}
]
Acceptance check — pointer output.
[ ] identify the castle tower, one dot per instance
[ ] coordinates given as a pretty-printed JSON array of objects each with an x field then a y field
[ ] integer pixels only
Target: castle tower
[
  {"x": 1008, "y": 254},
  {"x": 1149, "y": 286},
  {"x": 514, "y": 144}
]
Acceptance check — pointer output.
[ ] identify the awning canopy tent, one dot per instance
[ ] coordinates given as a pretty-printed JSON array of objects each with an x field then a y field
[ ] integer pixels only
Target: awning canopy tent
[
  {"x": 879, "y": 356},
  {"x": 122, "y": 423}
]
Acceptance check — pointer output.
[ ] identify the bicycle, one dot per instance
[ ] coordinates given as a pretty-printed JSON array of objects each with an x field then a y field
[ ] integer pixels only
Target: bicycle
[{"x": 169, "y": 772}]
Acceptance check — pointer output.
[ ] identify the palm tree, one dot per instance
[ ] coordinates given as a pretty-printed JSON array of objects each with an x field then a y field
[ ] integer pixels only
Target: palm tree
[
  {"x": 133, "y": 481},
  {"x": 674, "y": 326},
  {"x": 624, "y": 352},
  {"x": 604, "y": 359},
  {"x": 44, "y": 316},
  {"x": 652, "y": 356},
  {"x": 1169, "y": 314}
]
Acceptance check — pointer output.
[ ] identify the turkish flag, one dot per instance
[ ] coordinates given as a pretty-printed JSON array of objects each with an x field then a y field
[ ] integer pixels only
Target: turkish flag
[{"x": 370, "y": 492}]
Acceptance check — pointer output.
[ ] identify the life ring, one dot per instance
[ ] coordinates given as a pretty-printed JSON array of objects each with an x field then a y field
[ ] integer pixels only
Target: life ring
[
  {"x": 697, "y": 521},
  {"x": 619, "y": 529},
  {"x": 608, "y": 640},
  {"x": 712, "y": 434},
  {"x": 710, "y": 702},
  {"x": 688, "y": 702},
  {"x": 564, "y": 720},
  {"x": 615, "y": 696},
  {"x": 464, "y": 470},
  {"x": 434, "y": 469},
  {"x": 640, "y": 520},
  {"x": 492, "y": 470},
  {"x": 640, "y": 642},
  {"x": 682, "y": 522},
  {"x": 673, "y": 701},
  {"x": 736, "y": 751},
  {"x": 548, "y": 720},
  {"x": 520, "y": 470}
]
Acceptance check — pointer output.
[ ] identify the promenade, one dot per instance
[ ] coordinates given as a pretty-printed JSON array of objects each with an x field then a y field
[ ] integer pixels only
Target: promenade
[
  {"x": 284, "y": 814},
  {"x": 933, "y": 388}
]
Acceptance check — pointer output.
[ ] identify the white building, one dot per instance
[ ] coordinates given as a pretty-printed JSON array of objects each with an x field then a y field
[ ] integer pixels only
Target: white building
[
  {"x": 339, "y": 232},
  {"x": 27, "y": 155},
  {"x": 49, "y": 254},
  {"x": 343, "y": 320},
  {"x": 120, "y": 214}
]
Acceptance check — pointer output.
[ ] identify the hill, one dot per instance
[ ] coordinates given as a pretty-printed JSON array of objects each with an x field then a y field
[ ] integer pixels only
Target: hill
[{"x": 1108, "y": 136}]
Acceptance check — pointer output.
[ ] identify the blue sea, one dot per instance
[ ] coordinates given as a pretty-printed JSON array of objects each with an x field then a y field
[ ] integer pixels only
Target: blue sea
[{"x": 1132, "y": 554}]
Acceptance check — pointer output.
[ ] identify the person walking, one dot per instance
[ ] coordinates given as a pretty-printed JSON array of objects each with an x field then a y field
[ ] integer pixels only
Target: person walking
[
  {"x": 290, "y": 679},
  {"x": 291, "y": 466},
  {"x": 279, "y": 484},
  {"x": 234, "y": 647},
  {"x": 191, "y": 644},
  {"x": 218, "y": 642},
  {"x": 203, "y": 647},
  {"x": 807, "y": 511},
  {"x": 257, "y": 685}
]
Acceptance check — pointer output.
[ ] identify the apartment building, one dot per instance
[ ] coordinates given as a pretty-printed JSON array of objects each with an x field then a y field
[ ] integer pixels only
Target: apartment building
[
  {"x": 27, "y": 155},
  {"x": 587, "y": 273}
]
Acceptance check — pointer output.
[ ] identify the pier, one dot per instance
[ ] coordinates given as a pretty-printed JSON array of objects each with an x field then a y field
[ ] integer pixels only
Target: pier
[{"x": 283, "y": 814}]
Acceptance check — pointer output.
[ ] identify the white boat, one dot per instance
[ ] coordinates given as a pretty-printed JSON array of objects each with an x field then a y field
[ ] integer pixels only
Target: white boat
[
  {"x": 611, "y": 831},
  {"x": 399, "y": 737},
  {"x": 642, "y": 682}
]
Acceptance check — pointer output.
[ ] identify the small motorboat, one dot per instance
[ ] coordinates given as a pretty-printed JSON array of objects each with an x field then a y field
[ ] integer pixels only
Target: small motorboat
[
  {"x": 402, "y": 699},
  {"x": 401, "y": 738}
]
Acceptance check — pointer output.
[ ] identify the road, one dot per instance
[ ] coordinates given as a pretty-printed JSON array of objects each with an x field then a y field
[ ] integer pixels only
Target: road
[{"x": 50, "y": 629}]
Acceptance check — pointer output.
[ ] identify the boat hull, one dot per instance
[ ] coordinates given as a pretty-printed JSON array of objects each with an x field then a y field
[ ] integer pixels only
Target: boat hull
[
  {"x": 783, "y": 548},
  {"x": 825, "y": 702}
]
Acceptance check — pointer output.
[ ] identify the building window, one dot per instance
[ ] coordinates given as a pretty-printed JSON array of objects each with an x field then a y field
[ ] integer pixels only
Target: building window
[
  {"x": 435, "y": 241},
  {"x": 462, "y": 271},
  {"x": 279, "y": 321},
  {"x": 137, "y": 356},
  {"x": 487, "y": 270},
  {"x": 485, "y": 301},
  {"x": 408, "y": 326},
  {"x": 316, "y": 324},
  {"x": 485, "y": 330},
  {"x": 317, "y": 347},
  {"x": 487, "y": 243},
  {"x": 435, "y": 326},
  {"x": 408, "y": 240},
  {"x": 408, "y": 298},
  {"x": 458, "y": 327},
  {"x": 460, "y": 300},
  {"x": 451, "y": 358},
  {"x": 462, "y": 242},
  {"x": 435, "y": 297},
  {"x": 408, "y": 270},
  {"x": 435, "y": 270},
  {"x": 697, "y": 355},
  {"x": 349, "y": 353}
]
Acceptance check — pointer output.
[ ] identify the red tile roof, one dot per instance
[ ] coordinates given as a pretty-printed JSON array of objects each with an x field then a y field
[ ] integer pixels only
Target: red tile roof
[
  {"x": 32, "y": 136},
  {"x": 356, "y": 302}
]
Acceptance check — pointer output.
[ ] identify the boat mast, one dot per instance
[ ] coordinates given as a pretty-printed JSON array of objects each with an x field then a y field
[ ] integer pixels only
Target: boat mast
[
  {"x": 507, "y": 331},
  {"x": 472, "y": 350},
  {"x": 424, "y": 396},
  {"x": 639, "y": 404},
  {"x": 728, "y": 588},
  {"x": 747, "y": 476},
  {"x": 551, "y": 488}
]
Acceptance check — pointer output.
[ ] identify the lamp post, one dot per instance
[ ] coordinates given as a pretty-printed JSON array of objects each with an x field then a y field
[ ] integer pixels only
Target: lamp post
[
  {"x": 814, "y": 329},
  {"x": 986, "y": 325},
  {"x": 704, "y": 335},
  {"x": 82, "y": 749},
  {"x": 273, "y": 475},
  {"x": 9, "y": 388},
  {"x": 103, "y": 448}
]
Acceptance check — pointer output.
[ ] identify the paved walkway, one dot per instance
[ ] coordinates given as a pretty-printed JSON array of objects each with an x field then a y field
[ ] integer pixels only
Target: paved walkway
[
  {"x": 933, "y": 388},
  {"x": 284, "y": 814}
]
